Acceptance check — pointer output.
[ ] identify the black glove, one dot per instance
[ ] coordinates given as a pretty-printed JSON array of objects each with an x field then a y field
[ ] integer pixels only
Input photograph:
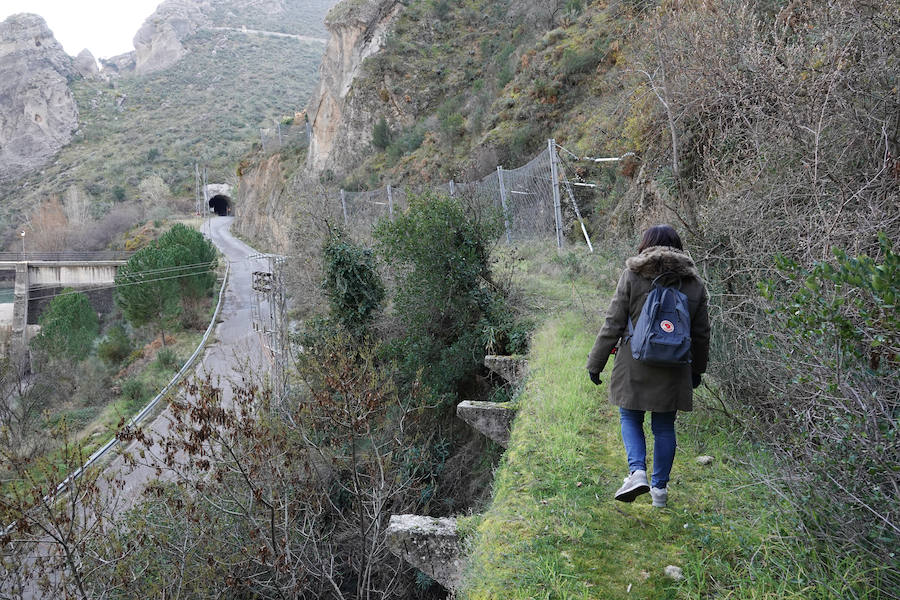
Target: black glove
[
  {"x": 695, "y": 380},
  {"x": 595, "y": 377}
]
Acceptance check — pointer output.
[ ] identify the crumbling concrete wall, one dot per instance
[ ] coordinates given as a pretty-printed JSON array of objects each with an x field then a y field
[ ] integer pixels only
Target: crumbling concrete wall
[
  {"x": 513, "y": 369},
  {"x": 430, "y": 545},
  {"x": 493, "y": 419}
]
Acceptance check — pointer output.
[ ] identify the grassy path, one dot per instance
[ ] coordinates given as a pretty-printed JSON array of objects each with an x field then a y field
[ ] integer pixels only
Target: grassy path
[{"x": 554, "y": 531}]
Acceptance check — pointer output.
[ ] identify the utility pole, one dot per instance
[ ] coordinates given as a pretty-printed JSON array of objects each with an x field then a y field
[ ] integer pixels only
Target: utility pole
[
  {"x": 198, "y": 194},
  {"x": 270, "y": 321}
]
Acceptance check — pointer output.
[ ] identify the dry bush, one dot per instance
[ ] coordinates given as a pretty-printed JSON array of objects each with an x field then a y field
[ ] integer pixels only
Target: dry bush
[
  {"x": 100, "y": 234},
  {"x": 47, "y": 227},
  {"x": 775, "y": 133},
  {"x": 316, "y": 215}
]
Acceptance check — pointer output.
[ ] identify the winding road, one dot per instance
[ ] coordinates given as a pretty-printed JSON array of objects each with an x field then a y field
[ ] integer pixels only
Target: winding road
[
  {"x": 236, "y": 350},
  {"x": 302, "y": 38}
]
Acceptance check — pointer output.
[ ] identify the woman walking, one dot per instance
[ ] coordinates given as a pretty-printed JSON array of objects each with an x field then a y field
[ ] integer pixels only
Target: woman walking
[{"x": 637, "y": 386}]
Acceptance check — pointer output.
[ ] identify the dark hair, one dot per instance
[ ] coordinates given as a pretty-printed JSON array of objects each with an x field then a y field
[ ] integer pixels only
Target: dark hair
[{"x": 660, "y": 235}]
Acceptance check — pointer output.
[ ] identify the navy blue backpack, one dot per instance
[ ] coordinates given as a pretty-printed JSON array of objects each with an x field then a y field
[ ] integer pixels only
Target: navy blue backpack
[{"x": 662, "y": 334}]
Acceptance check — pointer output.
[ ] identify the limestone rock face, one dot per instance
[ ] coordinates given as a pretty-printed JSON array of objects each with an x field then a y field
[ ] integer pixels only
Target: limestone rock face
[
  {"x": 157, "y": 44},
  {"x": 38, "y": 114},
  {"x": 341, "y": 122},
  {"x": 86, "y": 64},
  {"x": 118, "y": 64},
  {"x": 264, "y": 191}
]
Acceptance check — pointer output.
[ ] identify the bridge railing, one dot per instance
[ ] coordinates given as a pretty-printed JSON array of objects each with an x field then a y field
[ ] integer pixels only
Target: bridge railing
[{"x": 65, "y": 256}]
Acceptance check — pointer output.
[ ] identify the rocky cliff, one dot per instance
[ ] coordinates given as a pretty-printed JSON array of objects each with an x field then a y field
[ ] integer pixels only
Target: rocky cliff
[
  {"x": 358, "y": 29},
  {"x": 86, "y": 65},
  {"x": 264, "y": 194},
  {"x": 160, "y": 42},
  {"x": 157, "y": 44},
  {"x": 38, "y": 114}
]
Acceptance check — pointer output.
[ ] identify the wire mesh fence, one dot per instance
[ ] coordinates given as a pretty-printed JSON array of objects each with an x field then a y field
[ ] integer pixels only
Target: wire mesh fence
[
  {"x": 279, "y": 136},
  {"x": 529, "y": 199}
]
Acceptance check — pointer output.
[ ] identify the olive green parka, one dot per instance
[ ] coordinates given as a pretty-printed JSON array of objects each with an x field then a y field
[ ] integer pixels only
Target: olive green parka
[{"x": 636, "y": 385}]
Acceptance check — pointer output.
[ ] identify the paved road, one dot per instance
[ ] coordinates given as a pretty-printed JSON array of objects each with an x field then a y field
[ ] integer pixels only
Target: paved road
[
  {"x": 236, "y": 350},
  {"x": 302, "y": 38}
]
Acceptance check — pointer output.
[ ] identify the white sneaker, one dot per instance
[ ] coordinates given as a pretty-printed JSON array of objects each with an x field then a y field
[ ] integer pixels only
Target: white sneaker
[
  {"x": 635, "y": 485},
  {"x": 660, "y": 496}
]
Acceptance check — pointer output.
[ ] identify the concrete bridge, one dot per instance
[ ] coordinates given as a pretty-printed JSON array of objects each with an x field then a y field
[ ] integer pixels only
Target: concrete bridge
[{"x": 37, "y": 277}]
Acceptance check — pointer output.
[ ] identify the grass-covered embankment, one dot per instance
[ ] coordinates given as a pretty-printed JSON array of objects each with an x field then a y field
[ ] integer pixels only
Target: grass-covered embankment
[{"x": 553, "y": 529}]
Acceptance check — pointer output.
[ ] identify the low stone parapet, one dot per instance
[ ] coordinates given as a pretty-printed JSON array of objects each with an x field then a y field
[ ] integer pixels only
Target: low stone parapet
[
  {"x": 493, "y": 419},
  {"x": 429, "y": 544},
  {"x": 513, "y": 369}
]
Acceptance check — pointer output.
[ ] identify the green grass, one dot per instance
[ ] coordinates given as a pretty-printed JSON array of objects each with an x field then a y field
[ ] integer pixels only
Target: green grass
[{"x": 553, "y": 529}]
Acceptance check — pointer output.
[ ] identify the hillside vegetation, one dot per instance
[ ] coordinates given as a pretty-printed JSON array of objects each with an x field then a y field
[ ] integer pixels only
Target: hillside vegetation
[
  {"x": 768, "y": 134},
  {"x": 207, "y": 109}
]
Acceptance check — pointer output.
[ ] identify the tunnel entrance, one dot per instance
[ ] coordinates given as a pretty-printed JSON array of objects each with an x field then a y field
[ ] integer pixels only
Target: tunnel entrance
[{"x": 220, "y": 204}]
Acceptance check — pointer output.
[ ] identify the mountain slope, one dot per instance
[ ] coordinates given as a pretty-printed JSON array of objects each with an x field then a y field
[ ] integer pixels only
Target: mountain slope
[{"x": 207, "y": 108}]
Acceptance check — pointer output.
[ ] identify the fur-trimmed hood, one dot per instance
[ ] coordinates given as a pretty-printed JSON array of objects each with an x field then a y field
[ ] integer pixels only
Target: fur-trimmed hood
[{"x": 656, "y": 260}]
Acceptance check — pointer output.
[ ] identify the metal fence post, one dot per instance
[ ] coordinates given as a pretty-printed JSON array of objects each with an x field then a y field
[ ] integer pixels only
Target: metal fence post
[
  {"x": 578, "y": 214},
  {"x": 503, "y": 204},
  {"x": 344, "y": 209},
  {"x": 308, "y": 133},
  {"x": 554, "y": 176},
  {"x": 390, "y": 202},
  {"x": 280, "y": 142},
  {"x": 452, "y": 188}
]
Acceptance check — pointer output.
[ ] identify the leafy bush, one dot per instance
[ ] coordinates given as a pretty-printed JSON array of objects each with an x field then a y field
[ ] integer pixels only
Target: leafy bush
[
  {"x": 134, "y": 392},
  {"x": 453, "y": 126},
  {"x": 440, "y": 249},
  {"x": 168, "y": 360},
  {"x": 381, "y": 134},
  {"x": 116, "y": 346},
  {"x": 841, "y": 419},
  {"x": 407, "y": 142},
  {"x": 352, "y": 284},
  {"x": 579, "y": 61},
  {"x": 68, "y": 326}
]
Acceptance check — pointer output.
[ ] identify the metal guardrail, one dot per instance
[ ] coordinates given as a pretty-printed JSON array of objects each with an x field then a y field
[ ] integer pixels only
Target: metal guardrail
[
  {"x": 136, "y": 420},
  {"x": 65, "y": 256}
]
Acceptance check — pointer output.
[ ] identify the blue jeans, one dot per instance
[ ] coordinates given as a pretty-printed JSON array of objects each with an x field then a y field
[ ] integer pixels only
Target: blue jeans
[{"x": 663, "y": 426}]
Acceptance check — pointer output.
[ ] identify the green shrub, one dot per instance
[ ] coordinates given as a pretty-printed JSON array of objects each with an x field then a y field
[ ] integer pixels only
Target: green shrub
[
  {"x": 453, "y": 126},
  {"x": 579, "y": 62},
  {"x": 68, "y": 326},
  {"x": 381, "y": 134},
  {"x": 80, "y": 417},
  {"x": 168, "y": 360},
  {"x": 134, "y": 392},
  {"x": 407, "y": 142},
  {"x": 836, "y": 332},
  {"x": 352, "y": 284},
  {"x": 440, "y": 248}
]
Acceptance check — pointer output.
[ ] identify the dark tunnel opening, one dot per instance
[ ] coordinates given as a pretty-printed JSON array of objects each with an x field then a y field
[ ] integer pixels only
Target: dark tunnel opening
[{"x": 220, "y": 204}]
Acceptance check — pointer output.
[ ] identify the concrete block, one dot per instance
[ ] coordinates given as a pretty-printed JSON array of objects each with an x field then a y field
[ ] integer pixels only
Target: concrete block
[
  {"x": 430, "y": 545},
  {"x": 513, "y": 369},
  {"x": 493, "y": 419}
]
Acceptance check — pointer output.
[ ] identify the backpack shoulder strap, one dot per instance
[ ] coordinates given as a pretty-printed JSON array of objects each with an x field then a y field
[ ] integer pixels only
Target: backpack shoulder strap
[{"x": 661, "y": 275}]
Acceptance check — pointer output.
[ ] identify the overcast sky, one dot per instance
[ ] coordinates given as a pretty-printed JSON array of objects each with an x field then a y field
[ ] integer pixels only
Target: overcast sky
[{"x": 105, "y": 27}]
